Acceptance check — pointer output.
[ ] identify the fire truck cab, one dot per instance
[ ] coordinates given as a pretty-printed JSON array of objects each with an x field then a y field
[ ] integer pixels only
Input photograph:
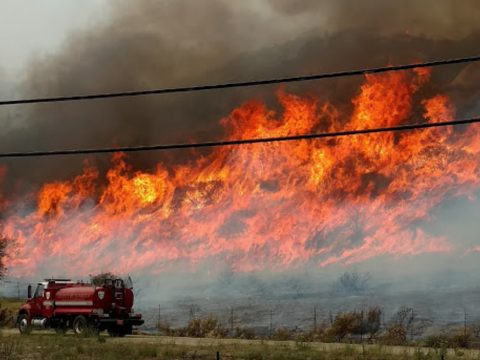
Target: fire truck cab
[{"x": 62, "y": 304}]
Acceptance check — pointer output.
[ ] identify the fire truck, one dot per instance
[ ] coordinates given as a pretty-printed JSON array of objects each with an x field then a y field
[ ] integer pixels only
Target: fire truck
[{"x": 62, "y": 304}]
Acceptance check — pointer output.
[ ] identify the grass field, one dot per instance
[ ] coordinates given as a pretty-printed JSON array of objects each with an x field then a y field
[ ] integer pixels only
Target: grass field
[
  {"x": 47, "y": 345},
  {"x": 50, "y": 346}
]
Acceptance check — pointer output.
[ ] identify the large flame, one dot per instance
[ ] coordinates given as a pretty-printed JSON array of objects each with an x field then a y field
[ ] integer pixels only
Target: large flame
[{"x": 272, "y": 206}]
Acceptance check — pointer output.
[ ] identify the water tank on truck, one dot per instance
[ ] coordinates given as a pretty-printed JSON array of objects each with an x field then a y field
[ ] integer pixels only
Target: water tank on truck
[{"x": 62, "y": 304}]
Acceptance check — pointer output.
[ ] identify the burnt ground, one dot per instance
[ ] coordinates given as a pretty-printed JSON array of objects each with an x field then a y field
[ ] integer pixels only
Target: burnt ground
[{"x": 433, "y": 309}]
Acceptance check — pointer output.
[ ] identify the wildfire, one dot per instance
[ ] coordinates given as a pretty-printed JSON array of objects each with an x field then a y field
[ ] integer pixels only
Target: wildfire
[{"x": 267, "y": 205}]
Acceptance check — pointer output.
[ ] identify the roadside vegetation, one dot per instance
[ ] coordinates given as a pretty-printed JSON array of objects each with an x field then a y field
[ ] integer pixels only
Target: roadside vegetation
[
  {"x": 348, "y": 335},
  {"x": 51, "y": 347},
  {"x": 354, "y": 327},
  {"x": 8, "y": 311}
]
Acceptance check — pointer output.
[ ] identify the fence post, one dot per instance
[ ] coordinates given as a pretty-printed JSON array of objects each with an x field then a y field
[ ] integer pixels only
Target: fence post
[
  {"x": 271, "y": 322},
  {"x": 362, "y": 323}
]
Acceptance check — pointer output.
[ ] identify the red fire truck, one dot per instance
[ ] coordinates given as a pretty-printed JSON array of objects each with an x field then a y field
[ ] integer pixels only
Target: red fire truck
[{"x": 62, "y": 304}]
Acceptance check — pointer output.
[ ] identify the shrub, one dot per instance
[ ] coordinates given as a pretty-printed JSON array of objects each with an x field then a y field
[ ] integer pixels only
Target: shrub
[
  {"x": 345, "y": 324},
  {"x": 282, "y": 334},
  {"x": 405, "y": 322},
  {"x": 458, "y": 340},
  {"x": 4, "y": 316},
  {"x": 317, "y": 334},
  {"x": 244, "y": 333},
  {"x": 206, "y": 327},
  {"x": 475, "y": 330},
  {"x": 372, "y": 322},
  {"x": 8, "y": 311},
  {"x": 436, "y": 341},
  {"x": 396, "y": 334},
  {"x": 351, "y": 323}
]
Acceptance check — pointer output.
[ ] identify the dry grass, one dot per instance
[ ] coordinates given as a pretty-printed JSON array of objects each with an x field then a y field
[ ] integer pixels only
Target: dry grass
[
  {"x": 8, "y": 311},
  {"x": 48, "y": 346}
]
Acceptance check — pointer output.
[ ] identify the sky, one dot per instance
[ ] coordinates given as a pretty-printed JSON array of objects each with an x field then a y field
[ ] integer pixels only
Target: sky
[{"x": 37, "y": 28}]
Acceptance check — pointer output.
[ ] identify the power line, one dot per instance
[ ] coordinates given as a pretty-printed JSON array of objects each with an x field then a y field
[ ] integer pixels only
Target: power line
[
  {"x": 239, "y": 142},
  {"x": 240, "y": 84}
]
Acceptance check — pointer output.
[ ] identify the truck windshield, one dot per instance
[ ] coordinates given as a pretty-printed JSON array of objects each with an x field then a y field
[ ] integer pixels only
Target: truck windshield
[{"x": 39, "y": 291}]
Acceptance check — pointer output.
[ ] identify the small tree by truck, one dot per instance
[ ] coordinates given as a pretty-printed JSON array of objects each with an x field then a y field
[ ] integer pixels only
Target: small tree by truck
[{"x": 62, "y": 304}]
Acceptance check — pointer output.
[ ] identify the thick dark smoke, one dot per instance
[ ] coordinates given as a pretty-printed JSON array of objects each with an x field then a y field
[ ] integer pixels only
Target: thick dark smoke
[
  {"x": 149, "y": 44},
  {"x": 447, "y": 19}
]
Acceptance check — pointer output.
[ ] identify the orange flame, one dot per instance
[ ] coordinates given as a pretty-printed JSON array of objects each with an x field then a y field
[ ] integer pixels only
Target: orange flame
[{"x": 262, "y": 206}]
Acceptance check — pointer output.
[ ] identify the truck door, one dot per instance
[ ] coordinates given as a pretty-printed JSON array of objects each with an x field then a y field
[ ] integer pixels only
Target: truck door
[{"x": 37, "y": 301}]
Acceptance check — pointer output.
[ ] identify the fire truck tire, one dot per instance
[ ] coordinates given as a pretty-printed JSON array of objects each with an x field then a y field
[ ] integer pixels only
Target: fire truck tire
[
  {"x": 24, "y": 325},
  {"x": 80, "y": 325}
]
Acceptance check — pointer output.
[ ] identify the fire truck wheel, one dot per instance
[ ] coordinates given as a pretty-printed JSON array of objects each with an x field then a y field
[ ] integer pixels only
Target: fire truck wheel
[
  {"x": 80, "y": 325},
  {"x": 24, "y": 325}
]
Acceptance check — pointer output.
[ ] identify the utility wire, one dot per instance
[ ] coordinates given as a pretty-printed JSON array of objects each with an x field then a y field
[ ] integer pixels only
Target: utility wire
[
  {"x": 240, "y": 142},
  {"x": 241, "y": 84}
]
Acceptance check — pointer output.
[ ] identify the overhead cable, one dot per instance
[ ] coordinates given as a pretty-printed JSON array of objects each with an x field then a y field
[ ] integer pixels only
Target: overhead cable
[
  {"x": 229, "y": 85},
  {"x": 213, "y": 144}
]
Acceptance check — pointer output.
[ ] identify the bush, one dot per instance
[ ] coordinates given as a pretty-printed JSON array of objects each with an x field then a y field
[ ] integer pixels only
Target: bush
[
  {"x": 345, "y": 324},
  {"x": 475, "y": 330},
  {"x": 4, "y": 317},
  {"x": 459, "y": 340},
  {"x": 244, "y": 333},
  {"x": 352, "y": 324},
  {"x": 405, "y": 322},
  {"x": 8, "y": 314},
  {"x": 396, "y": 334},
  {"x": 372, "y": 322},
  {"x": 206, "y": 327},
  {"x": 317, "y": 334},
  {"x": 282, "y": 334},
  {"x": 436, "y": 341}
]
